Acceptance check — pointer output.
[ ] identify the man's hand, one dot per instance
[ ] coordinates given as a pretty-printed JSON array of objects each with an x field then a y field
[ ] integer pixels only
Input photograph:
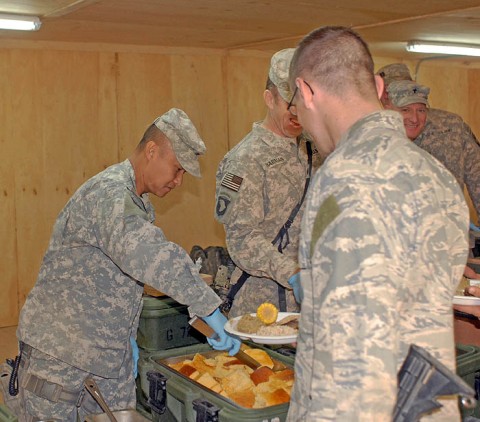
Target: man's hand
[
  {"x": 470, "y": 309},
  {"x": 135, "y": 356},
  {"x": 470, "y": 273},
  {"x": 294, "y": 282},
  {"x": 223, "y": 341}
]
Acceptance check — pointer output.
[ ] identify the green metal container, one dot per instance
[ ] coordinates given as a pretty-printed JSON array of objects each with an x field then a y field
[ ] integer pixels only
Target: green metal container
[
  {"x": 183, "y": 393},
  {"x": 6, "y": 415},
  {"x": 164, "y": 325},
  {"x": 468, "y": 368}
]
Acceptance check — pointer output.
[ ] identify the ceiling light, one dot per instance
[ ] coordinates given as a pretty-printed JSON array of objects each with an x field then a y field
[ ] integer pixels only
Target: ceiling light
[
  {"x": 443, "y": 48},
  {"x": 19, "y": 22}
]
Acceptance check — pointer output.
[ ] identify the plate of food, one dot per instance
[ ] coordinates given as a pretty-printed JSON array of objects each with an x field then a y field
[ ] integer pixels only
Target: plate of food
[
  {"x": 283, "y": 330},
  {"x": 466, "y": 300}
]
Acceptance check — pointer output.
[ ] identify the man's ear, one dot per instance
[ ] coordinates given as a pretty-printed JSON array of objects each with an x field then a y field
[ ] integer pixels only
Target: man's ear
[
  {"x": 149, "y": 150},
  {"x": 380, "y": 85},
  {"x": 305, "y": 93},
  {"x": 268, "y": 98}
]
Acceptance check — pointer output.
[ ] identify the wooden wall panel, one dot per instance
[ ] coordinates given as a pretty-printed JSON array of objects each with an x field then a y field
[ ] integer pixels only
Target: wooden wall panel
[
  {"x": 474, "y": 101},
  {"x": 32, "y": 219},
  {"x": 8, "y": 244},
  {"x": 148, "y": 86},
  {"x": 63, "y": 112},
  {"x": 246, "y": 80}
]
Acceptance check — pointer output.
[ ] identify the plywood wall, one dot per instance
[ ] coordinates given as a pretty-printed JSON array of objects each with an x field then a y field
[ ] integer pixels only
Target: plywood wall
[{"x": 67, "y": 114}]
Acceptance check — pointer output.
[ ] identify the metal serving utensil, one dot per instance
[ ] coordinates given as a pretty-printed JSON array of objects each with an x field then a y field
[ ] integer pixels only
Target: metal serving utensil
[
  {"x": 207, "y": 331},
  {"x": 92, "y": 388}
]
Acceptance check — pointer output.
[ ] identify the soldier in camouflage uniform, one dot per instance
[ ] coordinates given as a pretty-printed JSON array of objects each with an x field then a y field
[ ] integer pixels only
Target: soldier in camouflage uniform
[
  {"x": 259, "y": 182},
  {"x": 84, "y": 309},
  {"x": 383, "y": 241},
  {"x": 445, "y": 135}
]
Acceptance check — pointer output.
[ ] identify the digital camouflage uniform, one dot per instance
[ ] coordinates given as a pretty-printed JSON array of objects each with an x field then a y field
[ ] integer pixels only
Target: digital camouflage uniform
[
  {"x": 451, "y": 141},
  {"x": 87, "y": 299},
  {"x": 447, "y": 137},
  {"x": 259, "y": 183},
  {"x": 382, "y": 249}
]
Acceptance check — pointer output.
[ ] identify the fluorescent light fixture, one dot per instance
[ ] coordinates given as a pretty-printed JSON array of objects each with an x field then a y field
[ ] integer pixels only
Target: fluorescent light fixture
[
  {"x": 19, "y": 22},
  {"x": 443, "y": 48}
]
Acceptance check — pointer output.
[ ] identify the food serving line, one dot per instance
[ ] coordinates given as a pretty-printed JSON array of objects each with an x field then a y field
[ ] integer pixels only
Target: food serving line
[{"x": 174, "y": 382}]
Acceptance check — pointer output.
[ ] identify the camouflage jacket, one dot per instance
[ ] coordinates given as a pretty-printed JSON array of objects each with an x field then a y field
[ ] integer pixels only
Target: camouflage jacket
[
  {"x": 87, "y": 299},
  {"x": 382, "y": 249},
  {"x": 259, "y": 183},
  {"x": 451, "y": 141}
]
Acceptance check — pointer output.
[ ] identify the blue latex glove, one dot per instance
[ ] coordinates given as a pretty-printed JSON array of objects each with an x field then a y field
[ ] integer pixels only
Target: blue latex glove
[
  {"x": 222, "y": 341},
  {"x": 135, "y": 356},
  {"x": 294, "y": 282},
  {"x": 474, "y": 227}
]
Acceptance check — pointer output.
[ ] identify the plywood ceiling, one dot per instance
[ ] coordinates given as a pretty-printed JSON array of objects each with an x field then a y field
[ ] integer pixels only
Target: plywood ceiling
[{"x": 249, "y": 24}]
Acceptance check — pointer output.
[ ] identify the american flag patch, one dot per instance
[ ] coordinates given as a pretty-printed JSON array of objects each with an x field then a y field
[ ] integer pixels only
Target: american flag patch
[{"x": 232, "y": 181}]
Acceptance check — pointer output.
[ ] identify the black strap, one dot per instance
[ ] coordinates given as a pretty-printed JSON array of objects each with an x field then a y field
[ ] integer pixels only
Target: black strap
[
  {"x": 13, "y": 382},
  {"x": 283, "y": 240},
  {"x": 282, "y": 237},
  {"x": 237, "y": 286},
  {"x": 282, "y": 298}
]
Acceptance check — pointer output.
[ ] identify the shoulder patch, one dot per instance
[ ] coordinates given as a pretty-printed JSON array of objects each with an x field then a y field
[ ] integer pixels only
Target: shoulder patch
[
  {"x": 232, "y": 181},
  {"x": 328, "y": 211},
  {"x": 223, "y": 202}
]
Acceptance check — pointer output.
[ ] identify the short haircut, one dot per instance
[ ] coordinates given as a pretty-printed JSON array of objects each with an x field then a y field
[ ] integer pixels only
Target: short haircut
[
  {"x": 338, "y": 59},
  {"x": 153, "y": 133}
]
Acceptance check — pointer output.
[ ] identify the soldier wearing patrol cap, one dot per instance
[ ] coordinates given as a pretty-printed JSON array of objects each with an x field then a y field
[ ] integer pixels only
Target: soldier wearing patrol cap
[
  {"x": 448, "y": 139},
  {"x": 81, "y": 317},
  {"x": 260, "y": 184},
  {"x": 390, "y": 73},
  {"x": 411, "y": 100}
]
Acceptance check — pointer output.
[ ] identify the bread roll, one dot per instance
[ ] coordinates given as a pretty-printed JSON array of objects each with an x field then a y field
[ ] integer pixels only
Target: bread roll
[
  {"x": 236, "y": 381},
  {"x": 208, "y": 381},
  {"x": 261, "y": 374},
  {"x": 189, "y": 371},
  {"x": 271, "y": 398},
  {"x": 261, "y": 356},
  {"x": 245, "y": 398}
]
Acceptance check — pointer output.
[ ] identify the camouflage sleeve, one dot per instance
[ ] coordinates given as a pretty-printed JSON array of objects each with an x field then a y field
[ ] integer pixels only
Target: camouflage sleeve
[
  {"x": 471, "y": 152},
  {"x": 249, "y": 236},
  {"x": 140, "y": 249}
]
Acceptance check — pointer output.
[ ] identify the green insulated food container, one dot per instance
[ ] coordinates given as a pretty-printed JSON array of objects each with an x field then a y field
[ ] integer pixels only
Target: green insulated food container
[
  {"x": 164, "y": 325},
  {"x": 468, "y": 368},
  {"x": 184, "y": 398}
]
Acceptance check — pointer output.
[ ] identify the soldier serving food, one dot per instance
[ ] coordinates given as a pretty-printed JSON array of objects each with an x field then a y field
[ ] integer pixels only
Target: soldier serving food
[{"x": 81, "y": 317}]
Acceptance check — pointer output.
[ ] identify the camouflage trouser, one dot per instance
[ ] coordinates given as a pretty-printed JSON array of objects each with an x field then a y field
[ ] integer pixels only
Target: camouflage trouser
[{"x": 75, "y": 402}]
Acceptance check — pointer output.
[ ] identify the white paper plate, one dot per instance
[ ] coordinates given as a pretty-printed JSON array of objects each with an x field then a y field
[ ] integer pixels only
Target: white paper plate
[
  {"x": 466, "y": 300},
  {"x": 231, "y": 327}
]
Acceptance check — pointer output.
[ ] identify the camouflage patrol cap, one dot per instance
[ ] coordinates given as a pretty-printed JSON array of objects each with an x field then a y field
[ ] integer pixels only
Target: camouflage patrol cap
[
  {"x": 279, "y": 68},
  {"x": 394, "y": 72},
  {"x": 402, "y": 93},
  {"x": 186, "y": 141}
]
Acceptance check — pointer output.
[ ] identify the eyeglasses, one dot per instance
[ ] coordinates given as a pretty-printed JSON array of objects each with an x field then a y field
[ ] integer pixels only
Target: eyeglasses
[
  {"x": 292, "y": 108},
  {"x": 290, "y": 105}
]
